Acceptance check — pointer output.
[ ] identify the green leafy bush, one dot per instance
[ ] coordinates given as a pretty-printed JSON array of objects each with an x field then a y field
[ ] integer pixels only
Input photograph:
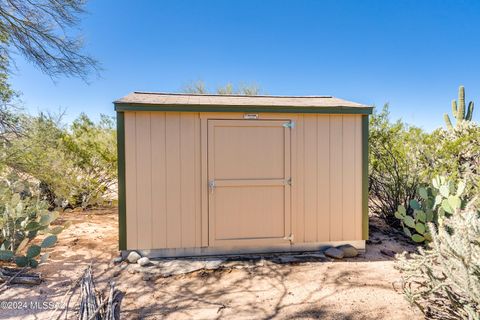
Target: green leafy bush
[
  {"x": 443, "y": 279},
  {"x": 430, "y": 205},
  {"x": 395, "y": 168},
  {"x": 403, "y": 158},
  {"x": 456, "y": 153},
  {"x": 38, "y": 155},
  {"x": 74, "y": 166},
  {"x": 23, "y": 219},
  {"x": 92, "y": 149}
]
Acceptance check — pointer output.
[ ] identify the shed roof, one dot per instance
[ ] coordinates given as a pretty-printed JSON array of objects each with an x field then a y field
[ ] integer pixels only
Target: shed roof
[{"x": 151, "y": 101}]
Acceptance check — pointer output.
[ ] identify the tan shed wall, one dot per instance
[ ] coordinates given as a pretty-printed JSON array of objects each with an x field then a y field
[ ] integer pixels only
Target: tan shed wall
[
  {"x": 162, "y": 164},
  {"x": 329, "y": 188},
  {"x": 166, "y": 177}
]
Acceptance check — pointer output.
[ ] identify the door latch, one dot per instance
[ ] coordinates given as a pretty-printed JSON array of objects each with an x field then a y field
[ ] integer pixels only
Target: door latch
[
  {"x": 289, "y": 238},
  {"x": 211, "y": 185}
]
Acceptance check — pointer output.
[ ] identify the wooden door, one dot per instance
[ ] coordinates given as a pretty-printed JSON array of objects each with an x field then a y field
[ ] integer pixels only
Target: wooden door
[{"x": 249, "y": 182}]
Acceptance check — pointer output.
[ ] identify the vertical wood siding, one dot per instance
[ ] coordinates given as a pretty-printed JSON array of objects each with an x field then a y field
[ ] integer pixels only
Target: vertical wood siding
[
  {"x": 330, "y": 175},
  {"x": 165, "y": 166},
  {"x": 162, "y": 159}
]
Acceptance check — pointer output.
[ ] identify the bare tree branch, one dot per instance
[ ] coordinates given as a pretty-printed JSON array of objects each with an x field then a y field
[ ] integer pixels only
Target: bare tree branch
[{"x": 39, "y": 30}]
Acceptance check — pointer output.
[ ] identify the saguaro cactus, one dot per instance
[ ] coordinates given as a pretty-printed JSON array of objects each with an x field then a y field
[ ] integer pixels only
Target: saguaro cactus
[{"x": 458, "y": 110}]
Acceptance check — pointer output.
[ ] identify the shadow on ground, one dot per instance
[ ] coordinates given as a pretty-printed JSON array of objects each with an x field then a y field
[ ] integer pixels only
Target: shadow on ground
[
  {"x": 357, "y": 288},
  {"x": 272, "y": 291}
]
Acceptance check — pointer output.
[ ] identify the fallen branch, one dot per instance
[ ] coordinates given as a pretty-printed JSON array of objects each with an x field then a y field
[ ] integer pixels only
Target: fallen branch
[{"x": 13, "y": 276}]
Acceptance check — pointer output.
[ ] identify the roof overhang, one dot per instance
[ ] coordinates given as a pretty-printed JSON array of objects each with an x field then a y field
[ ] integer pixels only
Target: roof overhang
[
  {"x": 140, "y": 101},
  {"x": 122, "y": 107}
]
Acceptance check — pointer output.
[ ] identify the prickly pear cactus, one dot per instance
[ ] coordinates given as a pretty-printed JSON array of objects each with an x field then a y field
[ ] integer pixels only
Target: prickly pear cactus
[
  {"x": 432, "y": 205},
  {"x": 21, "y": 221},
  {"x": 458, "y": 110}
]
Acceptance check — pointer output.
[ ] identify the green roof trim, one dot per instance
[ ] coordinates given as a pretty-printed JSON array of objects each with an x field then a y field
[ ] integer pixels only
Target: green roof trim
[{"x": 121, "y": 107}]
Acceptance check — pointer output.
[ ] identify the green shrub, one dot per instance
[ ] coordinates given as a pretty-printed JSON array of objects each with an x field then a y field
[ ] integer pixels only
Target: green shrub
[
  {"x": 38, "y": 155},
  {"x": 430, "y": 205},
  {"x": 403, "y": 158},
  {"x": 92, "y": 149},
  {"x": 74, "y": 166},
  {"x": 443, "y": 279},
  {"x": 395, "y": 168},
  {"x": 23, "y": 219},
  {"x": 456, "y": 153}
]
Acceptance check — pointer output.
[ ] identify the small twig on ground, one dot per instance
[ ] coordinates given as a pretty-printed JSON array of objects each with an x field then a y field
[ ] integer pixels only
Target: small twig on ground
[{"x": 221, "y": 308}]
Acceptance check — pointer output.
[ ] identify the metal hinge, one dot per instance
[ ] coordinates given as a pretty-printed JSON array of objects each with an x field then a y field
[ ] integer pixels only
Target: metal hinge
[
  {"x": 290, "y": 125},
  {"x": 211, "y": 185},
  {"x": 289, "y": 181},
  {"x": 289, "y": 238}
]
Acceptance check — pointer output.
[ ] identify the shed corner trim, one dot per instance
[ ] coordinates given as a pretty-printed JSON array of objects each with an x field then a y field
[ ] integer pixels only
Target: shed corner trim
[
  {"x": 122, "y": 211},
  {"x": 365, "y": 151}
]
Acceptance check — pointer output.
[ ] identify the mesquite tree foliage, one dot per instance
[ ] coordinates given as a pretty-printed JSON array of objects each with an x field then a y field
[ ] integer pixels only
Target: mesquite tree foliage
[
  {"x": 456, "y": 153},
  {"x": 39, "y": 30},
  {"x": 199, "y": 87},
  {"x": 394, "y": 164},
  {"x": 75, "y": 165}
]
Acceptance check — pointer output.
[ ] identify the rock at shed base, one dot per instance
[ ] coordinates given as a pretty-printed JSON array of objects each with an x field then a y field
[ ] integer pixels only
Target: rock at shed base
[
  {"x": 388, "y": 252},
  {"x": 213, "y": 264},
  {"x": 286, "y": 259},
  {"x": 349, "y": 251},
  {"x": 374, "y": 241},
  {"x": 179, "y": 266},
  {"x": 133, "y": 257},
  {"x": 311, "y": 257},
  {"x": 117, "y": 260},
  {"x": 143, "y": 261},
  {"x": 147, "y": 277},
  {"x": 334, "y": 253}
]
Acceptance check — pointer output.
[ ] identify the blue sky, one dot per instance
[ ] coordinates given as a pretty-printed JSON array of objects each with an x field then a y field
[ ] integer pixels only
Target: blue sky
[{"x": 412, "y": 54}]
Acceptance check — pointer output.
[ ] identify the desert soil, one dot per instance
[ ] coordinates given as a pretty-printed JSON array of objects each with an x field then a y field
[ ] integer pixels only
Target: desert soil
[{"x": 365, "y": 287}]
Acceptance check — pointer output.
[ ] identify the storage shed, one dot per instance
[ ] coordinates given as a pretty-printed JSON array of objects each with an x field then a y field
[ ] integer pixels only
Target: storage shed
[{"x": 219, "y": 174}]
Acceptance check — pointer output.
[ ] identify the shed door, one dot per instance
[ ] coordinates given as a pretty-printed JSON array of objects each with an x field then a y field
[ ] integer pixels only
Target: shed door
[{"x": 249, "y": 182}]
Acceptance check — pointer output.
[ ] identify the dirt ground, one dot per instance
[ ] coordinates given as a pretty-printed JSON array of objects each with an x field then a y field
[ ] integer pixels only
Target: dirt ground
[{"x": 366, "y": 287}]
